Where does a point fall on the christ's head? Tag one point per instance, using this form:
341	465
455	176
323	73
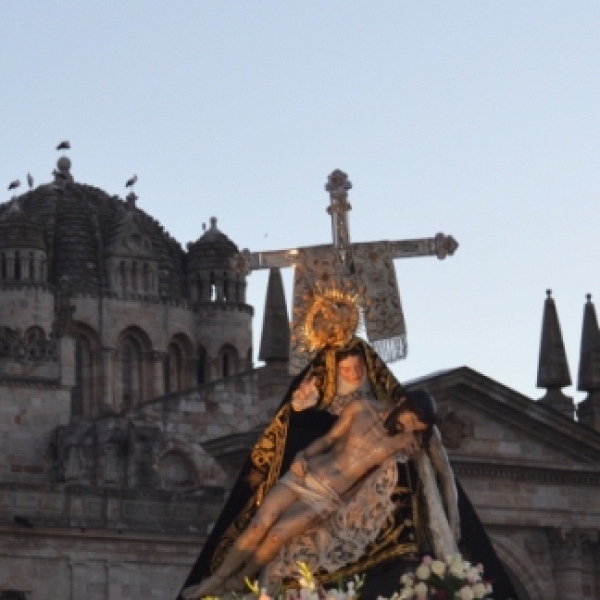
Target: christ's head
418	413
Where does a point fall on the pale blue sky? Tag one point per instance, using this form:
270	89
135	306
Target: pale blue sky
478	119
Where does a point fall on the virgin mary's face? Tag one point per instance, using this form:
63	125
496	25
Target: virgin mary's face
351	370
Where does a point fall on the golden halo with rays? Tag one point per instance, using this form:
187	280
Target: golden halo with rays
332	318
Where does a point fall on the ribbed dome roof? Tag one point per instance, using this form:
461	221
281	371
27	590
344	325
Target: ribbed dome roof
212	250
76	226
18	231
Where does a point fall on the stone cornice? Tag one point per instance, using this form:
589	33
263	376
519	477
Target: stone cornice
466	385
542	475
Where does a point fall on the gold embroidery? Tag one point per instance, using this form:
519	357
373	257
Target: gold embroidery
266	455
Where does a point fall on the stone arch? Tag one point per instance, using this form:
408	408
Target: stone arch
520	567
35	333
177	471
179	364
87	368
228	360
132	381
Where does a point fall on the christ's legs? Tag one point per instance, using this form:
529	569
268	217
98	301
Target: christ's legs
294	521
277	501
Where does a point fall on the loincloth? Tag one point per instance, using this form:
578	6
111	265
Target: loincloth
318	495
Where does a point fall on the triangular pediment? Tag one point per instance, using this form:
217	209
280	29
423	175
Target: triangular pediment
484	422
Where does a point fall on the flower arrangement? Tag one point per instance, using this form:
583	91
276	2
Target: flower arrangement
310	588
453	579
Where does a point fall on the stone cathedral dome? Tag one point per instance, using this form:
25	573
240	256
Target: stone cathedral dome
76	223
213	249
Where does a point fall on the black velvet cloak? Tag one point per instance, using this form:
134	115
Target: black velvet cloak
400	544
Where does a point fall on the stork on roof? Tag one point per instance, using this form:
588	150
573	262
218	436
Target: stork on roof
66	145
131	182
30	180
14	184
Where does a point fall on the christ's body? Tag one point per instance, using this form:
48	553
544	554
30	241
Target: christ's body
362	439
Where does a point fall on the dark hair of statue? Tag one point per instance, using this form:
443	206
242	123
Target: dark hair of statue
343	354
424	407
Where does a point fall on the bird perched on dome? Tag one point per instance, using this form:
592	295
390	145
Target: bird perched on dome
14	184
64	145
131	182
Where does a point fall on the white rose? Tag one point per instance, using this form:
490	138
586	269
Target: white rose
438	568
479	590
466	593
457	571
423	572
421	589
407	579
473	574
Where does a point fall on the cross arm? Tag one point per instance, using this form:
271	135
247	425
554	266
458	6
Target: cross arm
441	246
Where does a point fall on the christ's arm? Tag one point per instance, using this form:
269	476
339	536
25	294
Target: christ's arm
323	444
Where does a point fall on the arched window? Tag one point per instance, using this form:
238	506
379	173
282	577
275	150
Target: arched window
17	266
130	372
173	369
202	366
146	278
213	288
134	277
122	277
228	355
226	290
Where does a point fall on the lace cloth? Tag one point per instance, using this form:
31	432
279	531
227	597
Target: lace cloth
444	542
343	537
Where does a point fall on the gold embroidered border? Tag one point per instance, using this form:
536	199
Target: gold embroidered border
266	456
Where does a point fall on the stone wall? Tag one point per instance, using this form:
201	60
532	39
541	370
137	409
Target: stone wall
54	564
26	426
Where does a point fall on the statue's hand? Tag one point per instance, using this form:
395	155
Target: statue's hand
410	443
299	466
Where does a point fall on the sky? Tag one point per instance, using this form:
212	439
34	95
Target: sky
476	119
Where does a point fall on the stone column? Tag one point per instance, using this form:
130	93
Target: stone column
566	545
25	271
36	276
107	356
190	373
66	354
156	361
219	295
10	264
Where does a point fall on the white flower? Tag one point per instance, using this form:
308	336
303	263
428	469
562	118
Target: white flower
466	593
421	589
406	594
407	578
456	569
438	568
479	590
423	572
473	573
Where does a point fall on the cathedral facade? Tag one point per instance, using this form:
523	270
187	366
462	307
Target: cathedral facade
128	399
